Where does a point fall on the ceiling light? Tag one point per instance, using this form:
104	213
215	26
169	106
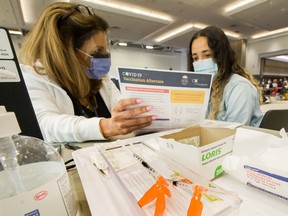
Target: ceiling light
122	44
186	28
232	34
176	32
15	32
270	33
149	47
242	5
282	57
130	10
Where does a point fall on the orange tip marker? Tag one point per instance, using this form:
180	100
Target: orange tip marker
158	192
196	206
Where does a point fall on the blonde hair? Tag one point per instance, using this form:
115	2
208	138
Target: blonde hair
226	60
53	41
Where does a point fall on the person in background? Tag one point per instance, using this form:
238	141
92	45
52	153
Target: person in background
269	85
275	86
279	84
285	83
235	96
65	60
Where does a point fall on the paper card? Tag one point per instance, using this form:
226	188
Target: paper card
178	99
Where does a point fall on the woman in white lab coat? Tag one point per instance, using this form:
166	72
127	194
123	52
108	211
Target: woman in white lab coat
65	60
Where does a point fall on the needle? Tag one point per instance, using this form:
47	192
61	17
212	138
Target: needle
189	186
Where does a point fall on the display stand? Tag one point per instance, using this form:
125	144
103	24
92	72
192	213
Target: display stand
13	92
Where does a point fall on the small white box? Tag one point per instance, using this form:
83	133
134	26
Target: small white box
259	160
206	159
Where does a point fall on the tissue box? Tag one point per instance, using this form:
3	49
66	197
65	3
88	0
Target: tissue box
272	181
205	157
260	160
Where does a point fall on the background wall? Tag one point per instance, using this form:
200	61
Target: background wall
274	68
16	40
135	57
263	48
143	58
239	47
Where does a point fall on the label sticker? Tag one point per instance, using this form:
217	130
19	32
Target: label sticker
33	213
8	71
5	48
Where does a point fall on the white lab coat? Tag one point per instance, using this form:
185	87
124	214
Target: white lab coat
55	113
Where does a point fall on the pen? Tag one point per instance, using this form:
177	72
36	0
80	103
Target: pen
71	146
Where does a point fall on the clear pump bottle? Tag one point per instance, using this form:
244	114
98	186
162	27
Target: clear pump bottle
33	178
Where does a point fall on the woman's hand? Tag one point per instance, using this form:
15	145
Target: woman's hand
124	120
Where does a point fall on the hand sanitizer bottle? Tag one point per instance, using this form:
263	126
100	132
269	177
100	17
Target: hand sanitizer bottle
33	178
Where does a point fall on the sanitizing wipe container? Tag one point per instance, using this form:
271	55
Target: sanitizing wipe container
33	178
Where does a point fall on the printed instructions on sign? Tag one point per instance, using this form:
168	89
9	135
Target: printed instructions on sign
179	99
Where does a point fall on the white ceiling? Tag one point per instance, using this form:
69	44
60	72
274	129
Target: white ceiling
267	16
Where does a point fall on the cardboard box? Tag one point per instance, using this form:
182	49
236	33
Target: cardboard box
206	159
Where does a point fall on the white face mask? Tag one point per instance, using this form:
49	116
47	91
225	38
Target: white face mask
206	66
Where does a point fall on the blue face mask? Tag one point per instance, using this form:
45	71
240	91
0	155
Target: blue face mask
99	68
206	66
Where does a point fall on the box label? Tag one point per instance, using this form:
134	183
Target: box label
266	181
218	171
214	152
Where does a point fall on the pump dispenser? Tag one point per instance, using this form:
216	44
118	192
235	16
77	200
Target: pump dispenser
33	178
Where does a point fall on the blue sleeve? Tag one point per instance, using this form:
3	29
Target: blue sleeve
239	102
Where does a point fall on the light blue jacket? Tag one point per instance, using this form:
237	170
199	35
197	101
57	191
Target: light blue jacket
240	102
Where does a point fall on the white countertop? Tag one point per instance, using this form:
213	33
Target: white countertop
274	105
255	202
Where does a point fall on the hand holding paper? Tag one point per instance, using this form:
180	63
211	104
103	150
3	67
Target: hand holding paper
126	119
179	99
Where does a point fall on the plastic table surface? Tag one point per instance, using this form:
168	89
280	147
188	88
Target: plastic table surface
255	202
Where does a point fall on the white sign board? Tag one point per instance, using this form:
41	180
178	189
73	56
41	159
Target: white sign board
8	69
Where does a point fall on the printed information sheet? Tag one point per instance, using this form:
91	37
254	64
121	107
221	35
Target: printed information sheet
179	99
